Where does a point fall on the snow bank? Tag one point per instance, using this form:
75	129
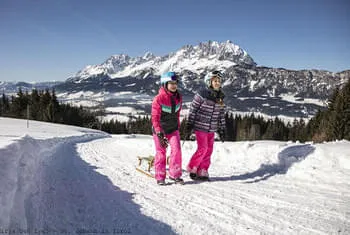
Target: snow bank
20	172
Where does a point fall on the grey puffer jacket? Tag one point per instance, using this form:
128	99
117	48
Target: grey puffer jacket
207	112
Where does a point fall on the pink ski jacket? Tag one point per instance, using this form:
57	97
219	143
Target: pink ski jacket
166	108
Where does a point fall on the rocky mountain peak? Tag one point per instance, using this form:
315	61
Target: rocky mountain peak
196	58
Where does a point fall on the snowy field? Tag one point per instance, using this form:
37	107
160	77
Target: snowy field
57	179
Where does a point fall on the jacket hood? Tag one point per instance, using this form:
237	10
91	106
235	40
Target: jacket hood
163	91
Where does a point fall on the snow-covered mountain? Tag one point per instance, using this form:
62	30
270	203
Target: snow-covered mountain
197	58
133	81
12	87
248	87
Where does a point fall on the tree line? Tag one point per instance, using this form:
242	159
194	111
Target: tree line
44	106
333	123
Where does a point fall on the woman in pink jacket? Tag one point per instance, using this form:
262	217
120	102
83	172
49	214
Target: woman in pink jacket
166	108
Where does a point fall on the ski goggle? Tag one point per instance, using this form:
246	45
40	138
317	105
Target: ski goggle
173	77
216	74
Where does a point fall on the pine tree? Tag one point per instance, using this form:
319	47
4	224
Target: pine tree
269	131
19	104
229	126
337	119
332	99
5	106
35	105
293	131
45	99
346	91
301	131
53	108
242	129
333	123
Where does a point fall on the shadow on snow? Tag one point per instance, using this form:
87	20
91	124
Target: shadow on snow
286	158
75	199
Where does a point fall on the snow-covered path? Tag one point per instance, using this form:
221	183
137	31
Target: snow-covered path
57	179
76	198
263	200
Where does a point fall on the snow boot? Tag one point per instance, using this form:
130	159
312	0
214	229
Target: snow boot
177	180
193	176
161	182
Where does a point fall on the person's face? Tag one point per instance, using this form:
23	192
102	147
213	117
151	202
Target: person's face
172	86
216	83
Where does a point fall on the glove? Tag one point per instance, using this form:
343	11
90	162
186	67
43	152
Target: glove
163	140
189	129
222	135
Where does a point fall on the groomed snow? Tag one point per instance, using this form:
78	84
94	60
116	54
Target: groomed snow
57	179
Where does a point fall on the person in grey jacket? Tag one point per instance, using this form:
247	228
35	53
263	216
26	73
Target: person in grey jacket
206	116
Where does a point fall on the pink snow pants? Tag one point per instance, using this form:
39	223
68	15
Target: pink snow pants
200	161
175	164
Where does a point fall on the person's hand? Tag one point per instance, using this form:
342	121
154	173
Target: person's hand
163	140
222	135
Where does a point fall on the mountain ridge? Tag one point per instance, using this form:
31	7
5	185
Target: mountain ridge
222	55
248	87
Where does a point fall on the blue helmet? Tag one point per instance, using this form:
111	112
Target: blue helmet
210	75
167	77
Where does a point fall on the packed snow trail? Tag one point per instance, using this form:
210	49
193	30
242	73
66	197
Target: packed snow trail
57	179
265	200
77	198
55	192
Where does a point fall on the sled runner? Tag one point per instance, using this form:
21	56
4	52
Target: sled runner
145	165
151	174
150	161
148	173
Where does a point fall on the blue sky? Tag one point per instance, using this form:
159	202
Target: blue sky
44	40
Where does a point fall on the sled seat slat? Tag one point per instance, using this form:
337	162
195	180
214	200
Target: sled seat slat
149	160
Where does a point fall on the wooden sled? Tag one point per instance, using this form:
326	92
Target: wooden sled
145	165
149	162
